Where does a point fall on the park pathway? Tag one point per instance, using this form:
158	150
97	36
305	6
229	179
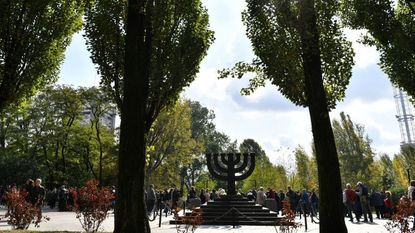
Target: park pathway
67	221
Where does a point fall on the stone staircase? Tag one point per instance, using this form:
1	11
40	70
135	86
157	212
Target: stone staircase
234	211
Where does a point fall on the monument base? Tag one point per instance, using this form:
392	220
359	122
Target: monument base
234	210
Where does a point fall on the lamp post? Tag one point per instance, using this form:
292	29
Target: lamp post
409	3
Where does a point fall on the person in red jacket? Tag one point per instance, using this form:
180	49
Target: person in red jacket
350	201
388	205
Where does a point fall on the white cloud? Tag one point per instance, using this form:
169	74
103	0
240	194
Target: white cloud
364	55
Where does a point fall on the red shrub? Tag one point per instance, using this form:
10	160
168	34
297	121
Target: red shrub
402	220
190	222
20	212
92	205
287	223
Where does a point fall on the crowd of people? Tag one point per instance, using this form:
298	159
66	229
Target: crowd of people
358	201
38	195
305	201
172	198
360	204
299	201
32	191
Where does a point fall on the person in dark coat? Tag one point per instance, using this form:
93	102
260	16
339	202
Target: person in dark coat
377	202
28	187
39	194
175	198
202	197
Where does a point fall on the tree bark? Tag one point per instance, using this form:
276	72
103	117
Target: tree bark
331	207
130	213
101	151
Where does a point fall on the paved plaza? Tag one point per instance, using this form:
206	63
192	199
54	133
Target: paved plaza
67	221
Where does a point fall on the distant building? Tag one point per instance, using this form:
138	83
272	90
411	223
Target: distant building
108	119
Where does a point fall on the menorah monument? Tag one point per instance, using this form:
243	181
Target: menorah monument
231	168
232	209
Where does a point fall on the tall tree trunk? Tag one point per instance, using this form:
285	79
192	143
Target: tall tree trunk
101	151
331	208
2	133
130	215
63	158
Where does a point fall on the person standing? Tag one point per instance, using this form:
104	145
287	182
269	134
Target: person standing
350	202
411	196
291	198
260	198
314	202
174	198
39	196
192	194
363	195
388	205
377	201
28	188
151	198
207	195
202	197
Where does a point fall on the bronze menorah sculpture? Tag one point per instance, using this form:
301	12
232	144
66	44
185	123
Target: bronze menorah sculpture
230	167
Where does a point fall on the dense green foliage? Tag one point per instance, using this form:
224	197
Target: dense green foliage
33	39
49	138
354	150
170	141
390	28
274	30
180	39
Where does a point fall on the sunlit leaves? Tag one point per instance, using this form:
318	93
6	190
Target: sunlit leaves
180	40
273	28
354	150
33	39
391	28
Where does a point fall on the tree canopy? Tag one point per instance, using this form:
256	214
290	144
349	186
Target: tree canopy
33	39
354	150
274	30
180	38
391	29
63	145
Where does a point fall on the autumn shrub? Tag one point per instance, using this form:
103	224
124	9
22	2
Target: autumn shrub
287	223
402	220
91	204
20	213
188	222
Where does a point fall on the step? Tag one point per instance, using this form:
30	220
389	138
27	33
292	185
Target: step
241	209
248	213
231	203
242	222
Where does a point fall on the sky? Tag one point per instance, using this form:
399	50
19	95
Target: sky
266	116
